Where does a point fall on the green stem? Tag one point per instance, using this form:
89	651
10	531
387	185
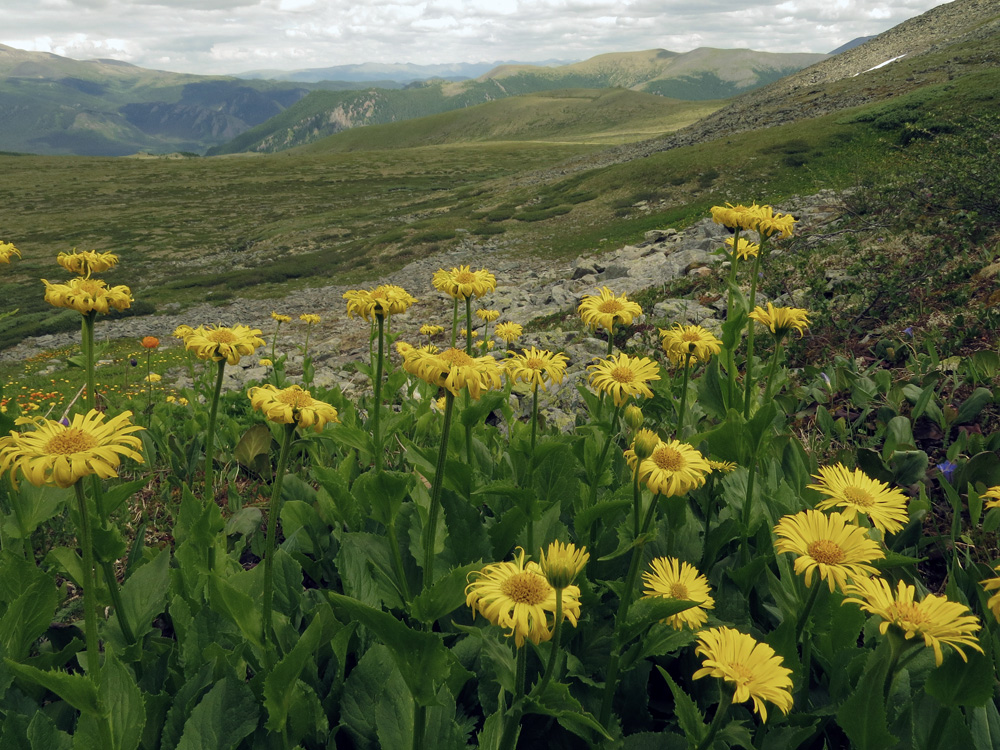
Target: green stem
534	418
800	624
377	406
397	561
468	326
604	455
550	667
88	583
748	502
454	323
274	511
210	435
431	531
419	725
149	390
636	499
731	354
748	381
937	730
684	393
274	343
771	368
513	718
724	703
88	358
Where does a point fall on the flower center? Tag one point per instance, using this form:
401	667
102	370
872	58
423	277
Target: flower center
690	336
610	306
71	440
534	363
678	591
526	588
858	496
92	287
221	336
457	358
907	614
465	277
825	551
668	459
622	374
295	399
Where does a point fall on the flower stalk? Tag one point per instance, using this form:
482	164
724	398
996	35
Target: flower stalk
274	511
435	509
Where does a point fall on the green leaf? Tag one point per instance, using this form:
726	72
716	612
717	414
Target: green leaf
899	435
423	661
43	735
144	595
711	394
650	610
221	720
973	405
115	496
554	475
122	700
254	444
383	492
28	617
690	719
467	538
80	691
278	698
957	683
35	506
556	701
445	596
239	609
244	522
863	716
908	467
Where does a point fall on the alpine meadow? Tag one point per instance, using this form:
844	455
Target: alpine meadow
650	401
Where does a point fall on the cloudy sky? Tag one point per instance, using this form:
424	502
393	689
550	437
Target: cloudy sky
230	36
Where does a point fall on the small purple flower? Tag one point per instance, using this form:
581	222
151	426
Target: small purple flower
64	421
908	331
947	469
134	362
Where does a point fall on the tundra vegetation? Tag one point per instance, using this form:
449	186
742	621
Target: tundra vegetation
778	534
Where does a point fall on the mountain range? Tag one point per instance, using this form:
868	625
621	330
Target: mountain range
54	105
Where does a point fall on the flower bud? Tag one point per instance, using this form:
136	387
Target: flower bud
633	417
645	443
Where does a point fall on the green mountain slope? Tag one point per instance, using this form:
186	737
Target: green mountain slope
702	74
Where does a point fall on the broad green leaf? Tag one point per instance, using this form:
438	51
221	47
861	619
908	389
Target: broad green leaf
863	715
254	442
228	713
144	594
649	610
78	690
898	436
445	596
467	539
383	492
277	695
973	405
244	522
690	719
28	617
238	608
115	496
908	467
34	506
957	683
556	701
122	699
43	734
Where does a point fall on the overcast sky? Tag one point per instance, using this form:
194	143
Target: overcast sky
230	36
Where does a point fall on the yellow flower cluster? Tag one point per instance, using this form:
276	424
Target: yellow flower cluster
679	341
291	405
86	295
623	376
462	282
782	320
760	219
536	367
508	332
217	343
382	301
828	545
87	262
8	251
453	369
605	309
281	318
670	578
310	318
744	249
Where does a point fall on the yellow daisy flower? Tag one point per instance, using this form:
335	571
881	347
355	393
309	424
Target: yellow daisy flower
936	619
781	320
828	545
768	223
508	332
756	671
87	295
462	282
673	468
992	497
993	584
453	369
516	596
217	343
60	455
858	493
384	300
722	467
87	262
681	340
291	405
487	316
605	309
429	330
734	217
623	376
8	251
562	563
153	378
310	318
281	318
182	332
265	362
669	578
745	249
537	367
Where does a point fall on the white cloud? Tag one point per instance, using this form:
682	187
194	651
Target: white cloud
229	36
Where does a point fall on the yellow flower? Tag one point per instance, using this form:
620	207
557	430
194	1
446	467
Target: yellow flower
153	378
632	416
182	332
767	222
643	445
462	282
828	545
537	367
937	620
508	332
993	584
992	496
265	362
735	217
562	563
8	251
605	309
60	455
488	315
383	300
291	405
756	671
429	330
744	249
310	318
669	578
281	318
515	595
453	369
781	320
722	467
217	343
681	340
87	295
86	262
857	493
465	332
673	468
623	376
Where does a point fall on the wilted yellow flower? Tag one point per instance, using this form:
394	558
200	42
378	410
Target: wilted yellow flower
856	492
735	217
60	455
681	340
673	468
936	619
462	282
562	563
744	249
722	467
508	332
8	251
182	332
669	578
384	300
87	295
516	595
281	318
453	369
756	671
781	320
429	330
487	315
87	262
604	309
827	545
217	343
291	405
310	318
767	222
623	376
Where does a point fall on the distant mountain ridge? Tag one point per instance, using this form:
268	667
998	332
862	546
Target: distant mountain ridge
398	72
